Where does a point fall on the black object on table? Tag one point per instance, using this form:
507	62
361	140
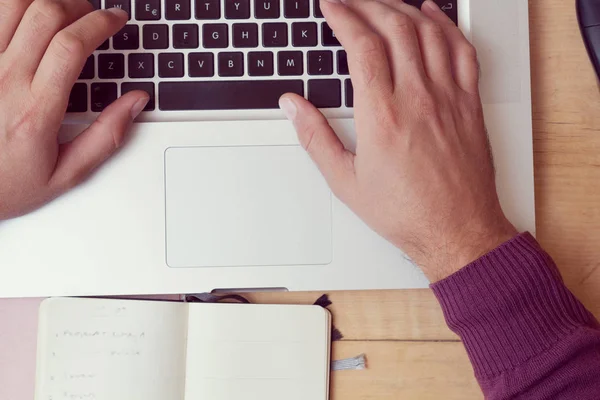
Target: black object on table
588	14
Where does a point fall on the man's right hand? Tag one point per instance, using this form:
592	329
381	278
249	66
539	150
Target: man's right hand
422	175
43	47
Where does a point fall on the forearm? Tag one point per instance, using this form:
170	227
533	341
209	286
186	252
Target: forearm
526	334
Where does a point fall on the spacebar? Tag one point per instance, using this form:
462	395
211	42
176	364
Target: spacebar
225	95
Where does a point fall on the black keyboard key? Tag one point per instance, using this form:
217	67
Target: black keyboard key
178	10
185	36
225	95
328	37
103	46
95	4
147	10
325	93
215	36
127	38
102	95
266	9
450	8
231	64
290	63
156	37
237	9
78	98
304	34
320	62
124	5
342	62
245	35
170	65
201	65
349	93
89	69
260	63
111	66
275	34
317	9
141	65
208	9
296	8
147	87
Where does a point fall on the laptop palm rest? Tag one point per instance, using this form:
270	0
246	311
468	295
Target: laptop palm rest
245	206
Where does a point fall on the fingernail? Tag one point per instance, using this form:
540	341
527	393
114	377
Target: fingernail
118	11
431	5
138	107
336	1
288	107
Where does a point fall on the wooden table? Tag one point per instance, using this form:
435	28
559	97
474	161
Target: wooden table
411	354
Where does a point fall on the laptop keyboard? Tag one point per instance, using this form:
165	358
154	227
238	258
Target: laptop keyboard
198	57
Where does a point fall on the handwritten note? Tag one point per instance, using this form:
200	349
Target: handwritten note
119	350
132	350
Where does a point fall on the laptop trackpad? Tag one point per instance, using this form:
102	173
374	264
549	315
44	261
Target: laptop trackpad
247	205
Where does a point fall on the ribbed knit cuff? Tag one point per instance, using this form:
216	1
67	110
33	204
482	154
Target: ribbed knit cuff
509	306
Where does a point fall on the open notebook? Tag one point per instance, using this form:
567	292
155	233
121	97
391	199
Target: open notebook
96	349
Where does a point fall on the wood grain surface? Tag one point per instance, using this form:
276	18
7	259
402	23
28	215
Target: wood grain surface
411	353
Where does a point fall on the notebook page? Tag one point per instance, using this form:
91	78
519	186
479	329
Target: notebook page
94	349
266	352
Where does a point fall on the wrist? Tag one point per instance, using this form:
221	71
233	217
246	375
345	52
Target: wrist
461	250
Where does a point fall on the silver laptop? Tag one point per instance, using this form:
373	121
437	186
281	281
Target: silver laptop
212	191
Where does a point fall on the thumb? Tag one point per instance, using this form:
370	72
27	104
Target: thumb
320	141
77	159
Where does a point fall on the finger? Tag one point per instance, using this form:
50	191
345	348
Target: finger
86	152
322	144
463	56
69	50
432	42
367	58
42	20
11	13
399	34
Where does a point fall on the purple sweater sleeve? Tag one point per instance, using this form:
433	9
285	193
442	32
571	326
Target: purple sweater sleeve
526	334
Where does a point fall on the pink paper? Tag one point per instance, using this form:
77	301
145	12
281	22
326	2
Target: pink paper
18	337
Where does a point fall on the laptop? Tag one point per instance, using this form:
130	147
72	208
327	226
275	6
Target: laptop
212	191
